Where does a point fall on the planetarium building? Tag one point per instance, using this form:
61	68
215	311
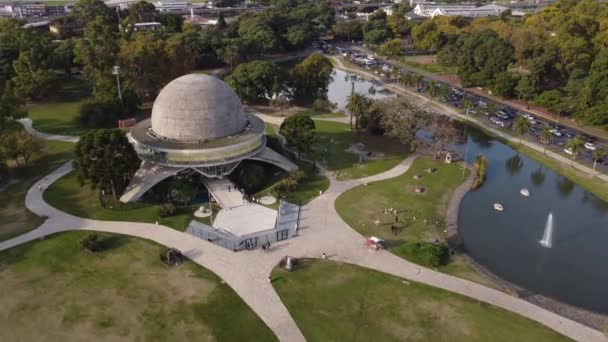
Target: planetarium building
197	123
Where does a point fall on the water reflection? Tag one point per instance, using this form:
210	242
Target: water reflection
565	186
343	83
514	164
537	177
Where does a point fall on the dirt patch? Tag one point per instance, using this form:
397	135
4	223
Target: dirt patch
425	59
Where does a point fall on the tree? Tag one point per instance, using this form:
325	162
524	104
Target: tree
281	102
299	131
11	108
468	105
545	136
106	160
575	145
391	48
88	10
31	80
310	78
526	87
221	22
63	56
401	118
443	132
255	81
149	63
376	37
597	155
231	51
19	146
550	99
348	30
521	126
505	84
356	105
482	55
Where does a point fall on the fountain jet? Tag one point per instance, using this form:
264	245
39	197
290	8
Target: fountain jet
547	240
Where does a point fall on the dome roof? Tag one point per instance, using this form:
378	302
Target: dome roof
197	107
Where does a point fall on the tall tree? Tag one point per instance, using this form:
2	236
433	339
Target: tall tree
106	160
311	77
299	131
255	81
575	145
482	56
149	63
521	126
356	105
19	145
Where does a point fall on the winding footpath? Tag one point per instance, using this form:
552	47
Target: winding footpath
321	231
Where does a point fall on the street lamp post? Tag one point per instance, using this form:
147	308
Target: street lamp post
116	72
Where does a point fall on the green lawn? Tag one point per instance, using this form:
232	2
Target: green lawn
334	140
434	68
307	189
56	117
340	302
362	206
54	291
57	114
67	195
15	219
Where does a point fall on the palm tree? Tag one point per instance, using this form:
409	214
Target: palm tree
597	155
545	137
356	105
521	126
405	79
575	144
468	105
281	102
417	80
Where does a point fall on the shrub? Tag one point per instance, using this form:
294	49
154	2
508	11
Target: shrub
166	210
427	253
96	113
91	243
323	105
481	167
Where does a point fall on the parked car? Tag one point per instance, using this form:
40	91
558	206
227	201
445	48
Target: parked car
503	115
556	132
568	151
590	146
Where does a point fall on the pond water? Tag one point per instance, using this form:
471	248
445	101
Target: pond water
573	269
507	243
341	85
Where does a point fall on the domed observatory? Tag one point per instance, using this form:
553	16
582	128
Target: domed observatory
197	122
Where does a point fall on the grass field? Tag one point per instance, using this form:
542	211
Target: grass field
15	219
307	189
54	291
434	68
339	302
57	114
362	206
335	138
67	195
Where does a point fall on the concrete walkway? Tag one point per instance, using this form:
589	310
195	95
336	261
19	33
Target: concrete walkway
27	124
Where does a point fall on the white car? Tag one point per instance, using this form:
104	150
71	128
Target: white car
556	132
568	151
590	146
